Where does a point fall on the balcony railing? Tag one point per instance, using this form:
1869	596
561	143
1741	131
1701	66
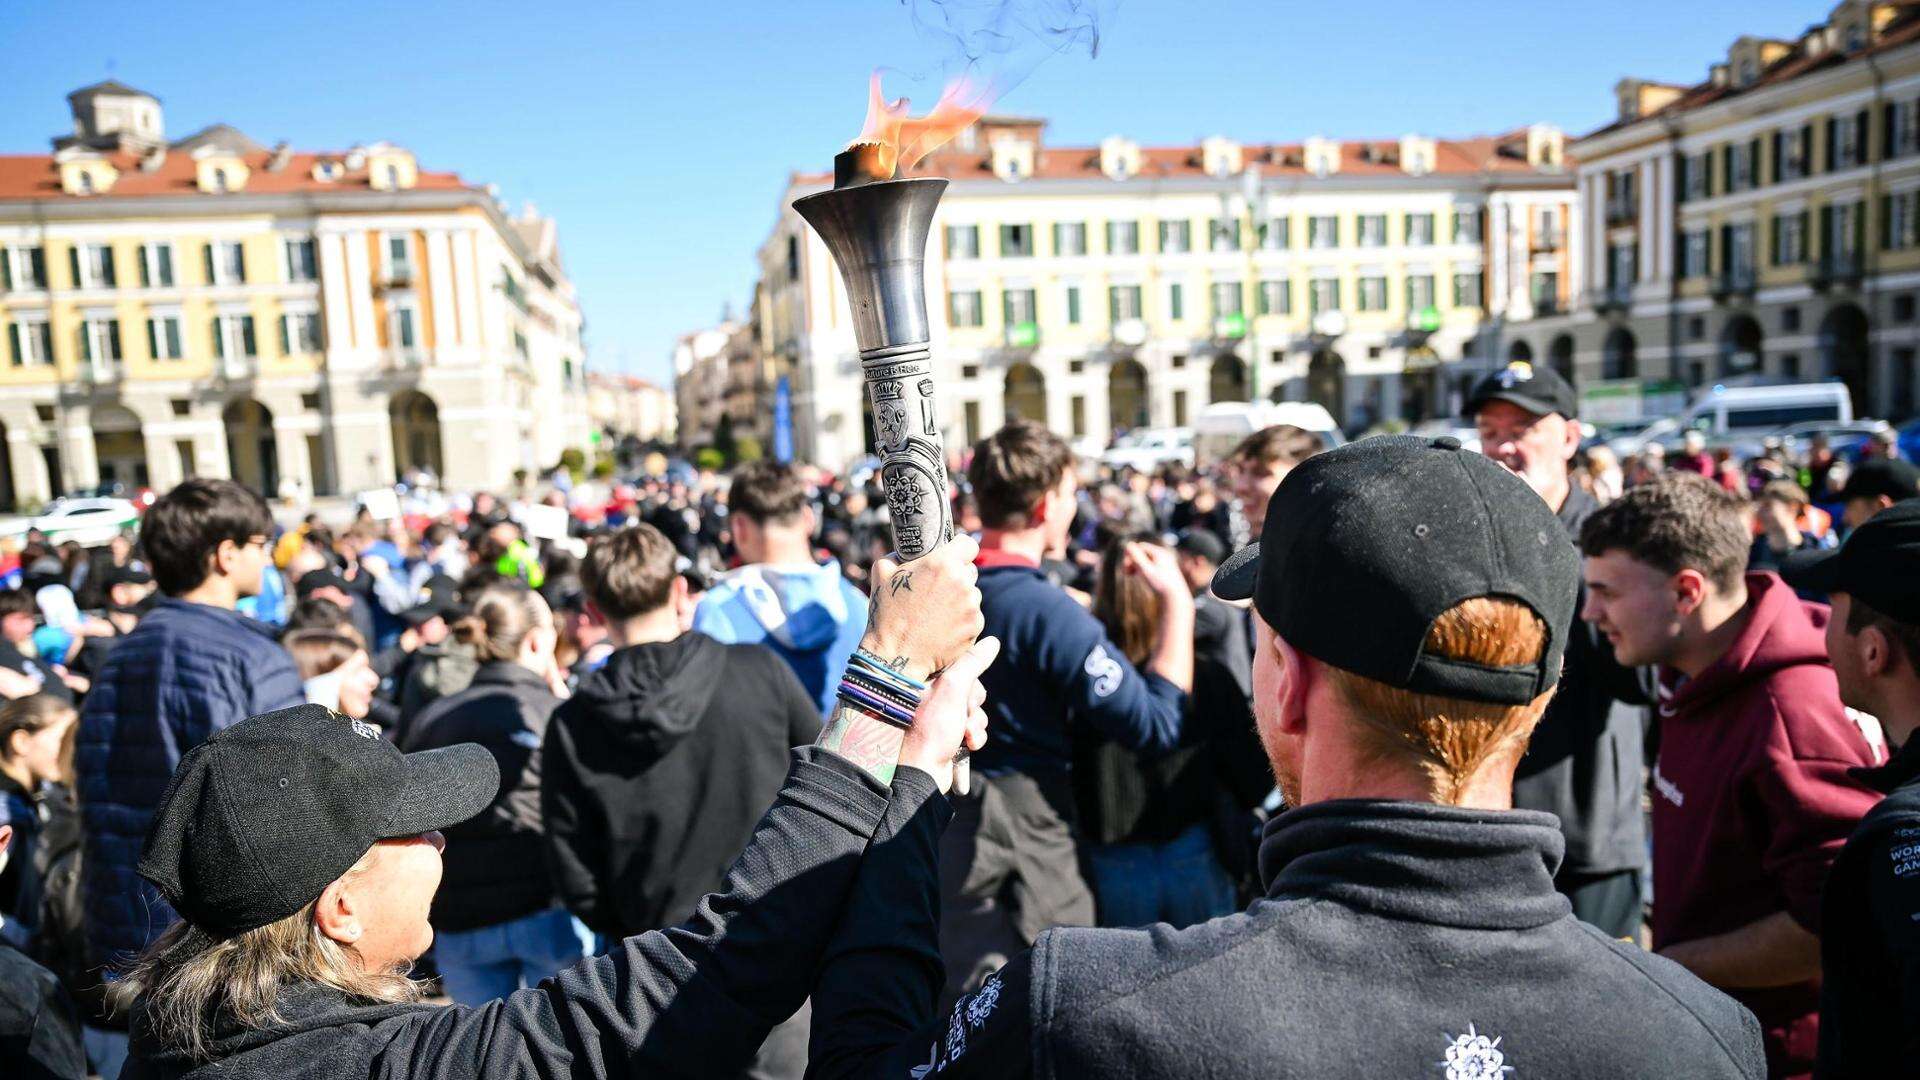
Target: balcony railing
1733	281
1549	239
397	275
1622	211
1613	297
238	367
1546	305
103	372
1836	268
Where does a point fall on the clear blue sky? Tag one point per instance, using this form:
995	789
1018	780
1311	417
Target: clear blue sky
660	135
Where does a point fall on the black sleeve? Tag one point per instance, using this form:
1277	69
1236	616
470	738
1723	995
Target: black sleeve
1893	882
576	830
873	1007
53	1050
707	991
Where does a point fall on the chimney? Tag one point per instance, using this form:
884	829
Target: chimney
282	153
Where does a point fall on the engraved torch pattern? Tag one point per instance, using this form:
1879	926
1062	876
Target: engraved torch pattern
877	233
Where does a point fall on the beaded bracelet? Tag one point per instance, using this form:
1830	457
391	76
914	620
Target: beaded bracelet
879	687
877	707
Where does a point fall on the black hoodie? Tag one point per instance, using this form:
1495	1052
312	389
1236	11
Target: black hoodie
655	771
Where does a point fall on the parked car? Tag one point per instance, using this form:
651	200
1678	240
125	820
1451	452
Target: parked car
1626	440
1732	412
1220	426
89	522
1147	449
1846	440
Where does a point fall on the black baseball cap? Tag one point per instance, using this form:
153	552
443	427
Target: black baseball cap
1539	390
1897	480
130	574
1365	546
258	820
1203	543
319	579
1879	564
439	599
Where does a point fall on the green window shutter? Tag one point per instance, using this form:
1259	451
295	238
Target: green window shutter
6	271
146	272
219	337
1862	129
13	338
248	346
286	339
73	263
1753	163
166	264
1073	306
1174	302
113	339
1833	141
240	264
208	251
1806	241
1886	221
106	267
153	339
1826	232
1773	241
1680	171
37	264
86	344
1779	145
173	339
1726	168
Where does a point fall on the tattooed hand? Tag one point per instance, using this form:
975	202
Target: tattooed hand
926	613
952	717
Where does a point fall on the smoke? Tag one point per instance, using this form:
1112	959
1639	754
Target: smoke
995	44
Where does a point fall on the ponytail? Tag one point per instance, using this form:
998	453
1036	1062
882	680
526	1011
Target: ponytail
503	615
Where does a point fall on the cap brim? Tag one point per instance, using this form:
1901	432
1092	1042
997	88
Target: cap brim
1235	578
1812	571
1534	405
444	788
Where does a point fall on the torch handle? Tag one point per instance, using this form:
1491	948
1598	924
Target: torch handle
913	463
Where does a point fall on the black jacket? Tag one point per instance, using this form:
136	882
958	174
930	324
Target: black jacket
1396	939
1585	760
696	1000
1870	934
495	864
39	1033
657	768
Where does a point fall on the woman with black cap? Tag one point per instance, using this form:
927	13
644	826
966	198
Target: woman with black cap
302	852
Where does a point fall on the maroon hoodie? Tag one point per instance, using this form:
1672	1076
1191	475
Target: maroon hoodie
1752	801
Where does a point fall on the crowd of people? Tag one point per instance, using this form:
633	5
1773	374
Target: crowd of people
1520	744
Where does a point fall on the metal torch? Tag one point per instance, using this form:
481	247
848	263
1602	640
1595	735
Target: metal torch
876	229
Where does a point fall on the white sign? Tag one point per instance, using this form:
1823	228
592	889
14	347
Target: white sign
382	504
1130	332
1330	324
544	522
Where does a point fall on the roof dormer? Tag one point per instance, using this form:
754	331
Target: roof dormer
1220	156
390	168
1855	23
83	172
1119	158
1012	156
1639	98
1546	146
1321	156
218	170
1419	155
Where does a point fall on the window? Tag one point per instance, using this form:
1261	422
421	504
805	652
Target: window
793	257
1466	225
156	265
1738	257
393	176
969	371
1176	237
1842	237
182	407
1466	289
397	250
1372	230
1791	152
1077	409
963	241
401	320
1077	365
1176	302
1276	298
1073	305
1898	215
92	266
1846	141
1223	235
1419	230
1227	299
1741	171
219	179
1790	319
303	261
300	333
30	345
1018	307
1373	293
1178	361
1902	128
1696	328
1696	177
233	337
226	263
1420	294
1323	231
1179	408
1276	235
100	343
1623	264
1069	238
1016	241
1789	239
1903	308
310	402
1543	287
1123	238
1123	302
163	337
963	308
1693	253
23	268
1323	294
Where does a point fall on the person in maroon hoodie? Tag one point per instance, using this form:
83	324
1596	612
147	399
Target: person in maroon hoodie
1752	798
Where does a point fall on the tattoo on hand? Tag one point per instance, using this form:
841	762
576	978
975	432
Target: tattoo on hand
902	581
871	744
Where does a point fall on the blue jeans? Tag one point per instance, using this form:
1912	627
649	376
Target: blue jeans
1179	882
477	966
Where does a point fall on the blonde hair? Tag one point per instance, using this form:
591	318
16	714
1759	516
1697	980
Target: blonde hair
317	651
189	977
503	615
1451	739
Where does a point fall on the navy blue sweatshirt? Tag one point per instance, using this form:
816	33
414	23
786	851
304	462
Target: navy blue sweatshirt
1056	663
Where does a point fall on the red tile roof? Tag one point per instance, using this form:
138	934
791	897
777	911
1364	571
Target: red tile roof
37	176
1477	155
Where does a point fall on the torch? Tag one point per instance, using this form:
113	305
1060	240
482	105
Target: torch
876	228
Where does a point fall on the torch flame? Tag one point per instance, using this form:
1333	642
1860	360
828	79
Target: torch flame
903	139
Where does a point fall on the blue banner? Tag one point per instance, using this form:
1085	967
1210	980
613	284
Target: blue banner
782	421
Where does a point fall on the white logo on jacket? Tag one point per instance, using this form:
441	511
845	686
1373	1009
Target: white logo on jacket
1105	671
1667	788
1473	1056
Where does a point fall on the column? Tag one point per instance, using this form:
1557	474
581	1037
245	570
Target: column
79	453
1663	197
31	485
360	292
1647	234
163	459
333	293
291	460
440	274
1596	207
468	294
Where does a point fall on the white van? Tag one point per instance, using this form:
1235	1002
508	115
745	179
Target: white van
1221	426
1725	412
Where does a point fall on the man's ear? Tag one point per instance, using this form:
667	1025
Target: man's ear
335	914
1690	590
1874	651
1573	439
1296	679
677	592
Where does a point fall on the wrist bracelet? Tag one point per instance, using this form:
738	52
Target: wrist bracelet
880	667
876	707
904	699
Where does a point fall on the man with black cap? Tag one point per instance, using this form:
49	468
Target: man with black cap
329	585
1584	763
1412	602
1870	915
302	852
1874	485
